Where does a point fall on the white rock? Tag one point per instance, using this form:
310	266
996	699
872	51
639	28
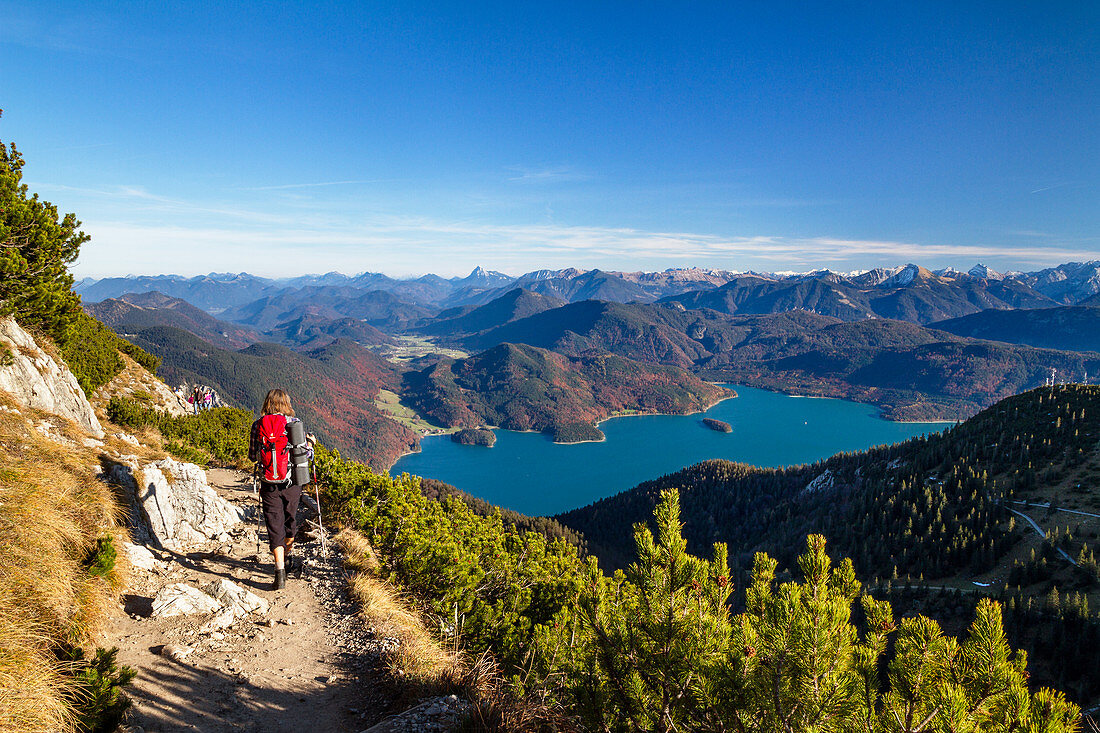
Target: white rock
36	380
174	512
824	481
180	599
232	595
223	619
141	557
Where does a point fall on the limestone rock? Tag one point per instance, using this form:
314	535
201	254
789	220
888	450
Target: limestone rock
825	481
180	599
140	557
36	380
223	619
235	597
173	512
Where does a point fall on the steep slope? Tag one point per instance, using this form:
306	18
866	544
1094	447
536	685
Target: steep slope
332	388
512	306
526	388
1069	283
133	312
378	308
1070	328
657	335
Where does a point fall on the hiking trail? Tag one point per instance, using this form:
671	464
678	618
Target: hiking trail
307	664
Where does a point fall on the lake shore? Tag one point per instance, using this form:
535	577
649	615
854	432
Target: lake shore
537	477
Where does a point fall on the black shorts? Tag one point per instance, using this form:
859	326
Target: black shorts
280	505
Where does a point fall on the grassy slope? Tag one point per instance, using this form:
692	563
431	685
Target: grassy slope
54	509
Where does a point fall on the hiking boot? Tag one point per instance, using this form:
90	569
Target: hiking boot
280	579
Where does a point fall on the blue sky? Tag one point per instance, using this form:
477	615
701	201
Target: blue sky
432	137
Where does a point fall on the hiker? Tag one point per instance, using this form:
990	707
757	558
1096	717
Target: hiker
269	448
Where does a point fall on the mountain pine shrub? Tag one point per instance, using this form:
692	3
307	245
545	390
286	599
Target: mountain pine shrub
656	647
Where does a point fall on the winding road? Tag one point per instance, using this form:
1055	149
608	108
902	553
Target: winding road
1043	534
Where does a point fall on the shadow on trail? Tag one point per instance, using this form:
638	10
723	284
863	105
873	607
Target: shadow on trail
210	700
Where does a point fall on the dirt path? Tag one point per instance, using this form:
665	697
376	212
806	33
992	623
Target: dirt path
307	666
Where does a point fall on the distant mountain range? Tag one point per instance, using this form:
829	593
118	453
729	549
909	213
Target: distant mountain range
918	343
1067	284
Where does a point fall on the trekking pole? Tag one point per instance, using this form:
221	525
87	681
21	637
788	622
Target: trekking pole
259	512
320	524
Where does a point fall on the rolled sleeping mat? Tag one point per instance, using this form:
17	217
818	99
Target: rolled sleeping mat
299	453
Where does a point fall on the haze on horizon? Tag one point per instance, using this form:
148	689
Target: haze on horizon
413	137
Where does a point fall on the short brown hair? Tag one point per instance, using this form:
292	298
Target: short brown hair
277	402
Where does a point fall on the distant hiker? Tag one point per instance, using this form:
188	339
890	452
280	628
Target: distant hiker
208	399
282	466
196	398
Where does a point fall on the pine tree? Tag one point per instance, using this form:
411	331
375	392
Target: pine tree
660	637
36	247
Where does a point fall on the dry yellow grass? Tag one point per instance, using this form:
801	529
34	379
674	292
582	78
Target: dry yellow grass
431	666
53	509
32	687
419	659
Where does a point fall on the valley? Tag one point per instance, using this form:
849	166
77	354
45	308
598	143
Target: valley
935	513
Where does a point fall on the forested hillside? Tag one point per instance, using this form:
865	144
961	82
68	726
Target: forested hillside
135	312
511	306
911	371
520	387
658	648
333	388
931	505
1072	328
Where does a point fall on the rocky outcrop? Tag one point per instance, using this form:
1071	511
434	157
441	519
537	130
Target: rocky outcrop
137	382
171	503
824	481
37	380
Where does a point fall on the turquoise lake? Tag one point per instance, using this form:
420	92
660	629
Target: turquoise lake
531	474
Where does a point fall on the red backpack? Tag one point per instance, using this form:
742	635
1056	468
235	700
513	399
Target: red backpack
274	454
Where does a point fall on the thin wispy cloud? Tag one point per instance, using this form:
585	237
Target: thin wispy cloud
322	184
561	174
412	244
1051	188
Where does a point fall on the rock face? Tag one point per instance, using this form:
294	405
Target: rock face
36	380
171	504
